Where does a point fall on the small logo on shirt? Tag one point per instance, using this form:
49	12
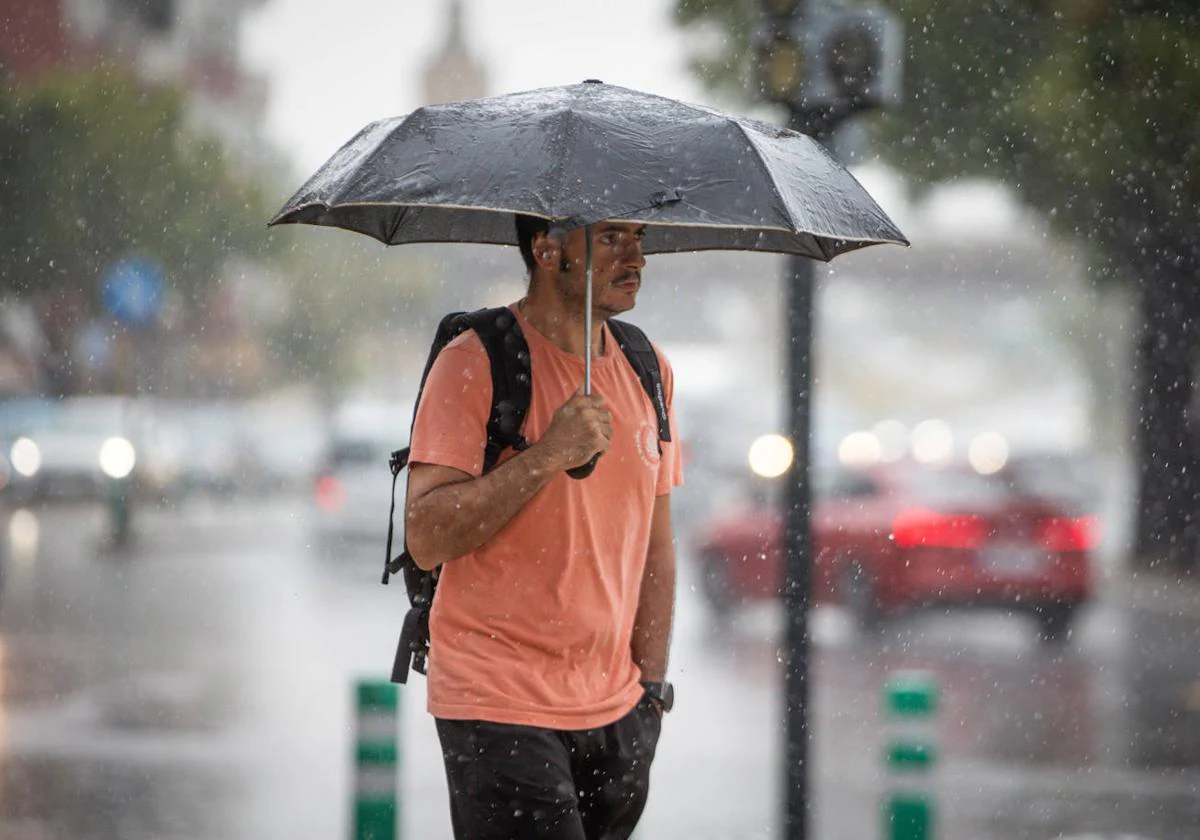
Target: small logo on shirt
647	444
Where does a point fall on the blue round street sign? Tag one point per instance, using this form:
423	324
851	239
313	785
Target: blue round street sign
133	290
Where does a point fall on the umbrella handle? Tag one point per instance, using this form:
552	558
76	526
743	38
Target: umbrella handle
584	470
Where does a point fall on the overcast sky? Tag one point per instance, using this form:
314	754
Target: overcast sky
332	68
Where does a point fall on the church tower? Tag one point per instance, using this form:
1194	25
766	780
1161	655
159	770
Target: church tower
453	73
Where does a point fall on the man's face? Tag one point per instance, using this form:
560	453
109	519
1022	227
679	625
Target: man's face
617	264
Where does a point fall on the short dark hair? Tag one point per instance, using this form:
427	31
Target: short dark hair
527	228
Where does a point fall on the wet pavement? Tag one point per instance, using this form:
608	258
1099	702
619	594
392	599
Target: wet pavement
199	685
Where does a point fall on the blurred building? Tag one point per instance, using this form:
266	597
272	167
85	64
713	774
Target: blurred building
454	73
192	44
33	39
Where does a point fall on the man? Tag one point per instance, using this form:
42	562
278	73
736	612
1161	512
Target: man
551	626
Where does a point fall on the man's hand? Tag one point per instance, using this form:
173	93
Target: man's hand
581	428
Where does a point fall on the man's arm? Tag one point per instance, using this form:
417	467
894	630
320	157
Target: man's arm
450	513
652	626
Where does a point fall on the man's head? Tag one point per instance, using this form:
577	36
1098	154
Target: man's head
559	259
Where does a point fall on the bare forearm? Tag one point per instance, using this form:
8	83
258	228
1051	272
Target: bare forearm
652	626
455	519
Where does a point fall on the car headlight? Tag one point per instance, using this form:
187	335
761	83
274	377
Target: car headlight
988	453
25	457
117	457
771	456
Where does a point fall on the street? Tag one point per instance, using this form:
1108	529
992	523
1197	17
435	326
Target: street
199	684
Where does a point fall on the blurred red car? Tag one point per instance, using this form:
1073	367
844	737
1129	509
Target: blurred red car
899	537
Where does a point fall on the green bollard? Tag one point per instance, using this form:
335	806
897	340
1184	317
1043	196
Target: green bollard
377	761
910	701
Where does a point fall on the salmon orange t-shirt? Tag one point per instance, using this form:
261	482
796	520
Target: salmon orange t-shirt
534	627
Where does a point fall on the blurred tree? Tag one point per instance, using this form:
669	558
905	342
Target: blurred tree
95	168
1087	108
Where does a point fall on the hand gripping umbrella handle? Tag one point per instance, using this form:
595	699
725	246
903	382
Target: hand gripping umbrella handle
584	470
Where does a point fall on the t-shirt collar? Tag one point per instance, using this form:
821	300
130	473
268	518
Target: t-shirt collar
533	335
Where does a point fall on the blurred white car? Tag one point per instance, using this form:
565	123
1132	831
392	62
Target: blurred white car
73	448
352	488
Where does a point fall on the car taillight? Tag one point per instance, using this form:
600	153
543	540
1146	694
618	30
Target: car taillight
330	494
1069	534
915	528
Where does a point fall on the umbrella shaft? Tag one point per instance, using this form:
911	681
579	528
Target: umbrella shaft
587	312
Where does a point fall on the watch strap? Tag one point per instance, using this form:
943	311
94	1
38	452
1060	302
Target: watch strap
661	692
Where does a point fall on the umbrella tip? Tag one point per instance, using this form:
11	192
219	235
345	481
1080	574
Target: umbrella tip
592	82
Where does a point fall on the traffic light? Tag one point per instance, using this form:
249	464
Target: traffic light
780	54
156	15
815	56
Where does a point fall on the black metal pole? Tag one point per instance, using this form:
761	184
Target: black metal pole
797	501
797	545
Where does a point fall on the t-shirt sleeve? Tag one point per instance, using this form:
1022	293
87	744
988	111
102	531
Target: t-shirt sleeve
451	423
670	467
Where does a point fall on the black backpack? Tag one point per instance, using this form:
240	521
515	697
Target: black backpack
512	383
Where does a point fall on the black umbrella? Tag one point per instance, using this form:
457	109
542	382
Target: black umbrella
579	154
583	153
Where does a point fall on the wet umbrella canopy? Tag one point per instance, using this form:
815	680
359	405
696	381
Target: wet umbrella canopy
583	153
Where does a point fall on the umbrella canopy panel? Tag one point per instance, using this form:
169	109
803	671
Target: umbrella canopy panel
578	154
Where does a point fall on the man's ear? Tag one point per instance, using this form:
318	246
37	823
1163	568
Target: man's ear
549	252
546	250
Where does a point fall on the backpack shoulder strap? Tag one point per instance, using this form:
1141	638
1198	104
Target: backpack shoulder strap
508	357
512	379
640	352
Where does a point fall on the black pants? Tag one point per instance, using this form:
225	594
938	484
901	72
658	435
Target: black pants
515	782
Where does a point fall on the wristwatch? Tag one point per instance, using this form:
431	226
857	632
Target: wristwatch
662	693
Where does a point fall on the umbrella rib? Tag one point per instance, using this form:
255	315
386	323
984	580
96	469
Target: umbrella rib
395	226
814	233
770	179
388	126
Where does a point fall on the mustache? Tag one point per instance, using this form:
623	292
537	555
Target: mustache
626	276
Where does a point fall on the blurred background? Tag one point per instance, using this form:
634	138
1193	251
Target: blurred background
196	412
